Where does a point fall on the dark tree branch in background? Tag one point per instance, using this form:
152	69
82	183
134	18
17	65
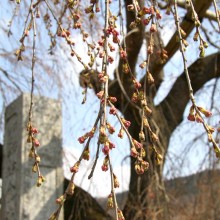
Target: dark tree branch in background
10	80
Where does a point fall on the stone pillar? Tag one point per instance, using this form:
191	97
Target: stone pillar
21	198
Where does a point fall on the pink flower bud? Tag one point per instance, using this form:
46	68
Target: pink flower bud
81	139
104	167
113	111
105	149
36	143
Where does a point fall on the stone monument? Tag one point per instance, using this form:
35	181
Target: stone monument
21	198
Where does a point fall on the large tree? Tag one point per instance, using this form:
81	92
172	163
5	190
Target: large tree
148	126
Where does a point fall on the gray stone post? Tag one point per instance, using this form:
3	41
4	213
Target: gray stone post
21	198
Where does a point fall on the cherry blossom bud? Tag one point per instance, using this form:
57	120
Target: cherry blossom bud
31	153
111	129
113	111
37	158
136	84
150	49
126	123
111	145
106	149
158	15
36	143
120	215
142	65
121	133
116	182
34	130
125	68
146	10
145	165
204	111
70	189
146	21
138	169
134	152
153	28
40	180
34	168
123	54
86	154
198	118
110	59
137	144
110	203
134	97
191	116
75	168
150	78
100	94
141	136
112	99
60	200
158	158
154	137
82	139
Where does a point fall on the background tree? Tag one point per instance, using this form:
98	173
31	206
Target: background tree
148	126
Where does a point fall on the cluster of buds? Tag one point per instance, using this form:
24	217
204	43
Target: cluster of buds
61	32
18	53
89	134
182	38
138	152
77	24
102	79
31	135
195	116
71	3
90	10
202	46
163	56
108	145
40	180
115	34
141	166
